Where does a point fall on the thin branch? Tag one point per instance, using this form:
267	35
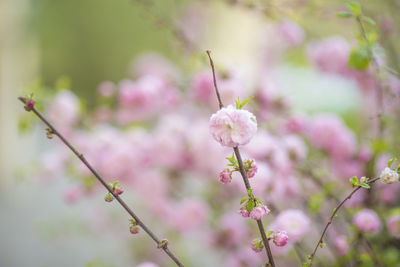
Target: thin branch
215	79
320	241
243	173
160	244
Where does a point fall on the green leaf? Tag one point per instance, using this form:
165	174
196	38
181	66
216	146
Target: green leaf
354	181
354	8
369	20
390	162
243	200
359	58
269	233
344	14
242	104
250	206
366	186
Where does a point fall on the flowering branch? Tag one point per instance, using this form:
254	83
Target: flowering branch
113	193
252	198
334	214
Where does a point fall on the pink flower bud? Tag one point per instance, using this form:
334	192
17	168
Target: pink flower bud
366	220
257	245
280	238
109	197
251	168
257	213
30	103
245	213
118	190
225	176
134	229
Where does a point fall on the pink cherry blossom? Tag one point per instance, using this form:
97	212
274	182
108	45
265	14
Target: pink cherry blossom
233	127
393	224
259	212
366	220
225	176
280	238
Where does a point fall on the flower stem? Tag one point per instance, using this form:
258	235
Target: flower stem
101	180
243	173
320	241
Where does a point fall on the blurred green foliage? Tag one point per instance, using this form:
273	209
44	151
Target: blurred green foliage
95	40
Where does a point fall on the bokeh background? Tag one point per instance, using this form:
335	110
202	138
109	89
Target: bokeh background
79	44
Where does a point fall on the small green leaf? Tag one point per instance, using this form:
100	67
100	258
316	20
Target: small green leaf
243	200
321	245
366	186
242	104
344	14
390	162
354	8
250	206
354	181
369	20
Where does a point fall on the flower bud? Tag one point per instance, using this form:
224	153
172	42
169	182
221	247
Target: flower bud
225	176
245	213
258	212
109	197
257	245
134	229
118	190
251	168
30	103
280	238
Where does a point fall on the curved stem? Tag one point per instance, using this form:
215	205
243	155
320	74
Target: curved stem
320	241
101	180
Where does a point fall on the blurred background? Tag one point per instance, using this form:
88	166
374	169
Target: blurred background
78	44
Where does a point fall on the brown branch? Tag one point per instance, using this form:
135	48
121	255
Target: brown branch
215	79
160	244
243	173
311	257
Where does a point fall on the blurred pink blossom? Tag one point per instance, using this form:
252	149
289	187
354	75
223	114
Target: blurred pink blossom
341	245
294	222
290	32
367	221
393	224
